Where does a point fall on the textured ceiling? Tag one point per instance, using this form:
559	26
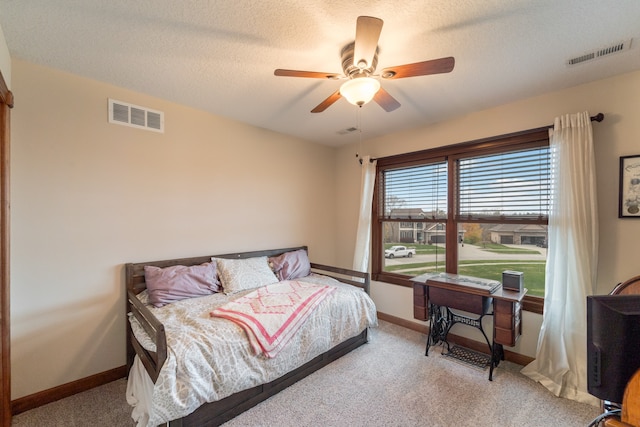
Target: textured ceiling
219	56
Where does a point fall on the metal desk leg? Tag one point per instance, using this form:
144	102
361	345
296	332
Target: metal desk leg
433	328
497	354
470	321
439	326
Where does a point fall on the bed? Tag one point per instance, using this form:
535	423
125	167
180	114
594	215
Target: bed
189	365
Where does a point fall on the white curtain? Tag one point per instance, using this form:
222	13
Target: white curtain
561	357
363	236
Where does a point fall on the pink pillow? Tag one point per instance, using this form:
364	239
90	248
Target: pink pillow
291	265
178	282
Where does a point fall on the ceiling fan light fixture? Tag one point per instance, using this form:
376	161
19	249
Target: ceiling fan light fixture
360	90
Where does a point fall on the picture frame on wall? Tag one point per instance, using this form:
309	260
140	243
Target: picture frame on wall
629	200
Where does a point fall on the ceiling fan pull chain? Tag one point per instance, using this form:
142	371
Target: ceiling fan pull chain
359	126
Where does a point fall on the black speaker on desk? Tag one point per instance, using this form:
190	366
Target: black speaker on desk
513	280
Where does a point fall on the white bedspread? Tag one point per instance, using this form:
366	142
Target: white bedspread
209	358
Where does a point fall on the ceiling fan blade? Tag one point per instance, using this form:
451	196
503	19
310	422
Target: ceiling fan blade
309	74
327	102
368	31
434	66
385	100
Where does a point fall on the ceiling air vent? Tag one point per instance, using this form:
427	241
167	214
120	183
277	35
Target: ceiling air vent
347	130
599	53
123	113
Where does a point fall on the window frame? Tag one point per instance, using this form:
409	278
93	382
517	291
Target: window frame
533	138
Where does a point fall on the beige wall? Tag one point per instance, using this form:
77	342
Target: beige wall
618	135
89	196
5	60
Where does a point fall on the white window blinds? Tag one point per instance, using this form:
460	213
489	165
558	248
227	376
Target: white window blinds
511	185
417	192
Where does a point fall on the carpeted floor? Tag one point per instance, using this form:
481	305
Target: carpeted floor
388	382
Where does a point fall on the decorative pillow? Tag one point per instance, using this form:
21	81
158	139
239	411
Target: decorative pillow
291	265
178	282
241	274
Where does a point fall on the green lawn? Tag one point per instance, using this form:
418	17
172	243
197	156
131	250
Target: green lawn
488	269
533	274
502	249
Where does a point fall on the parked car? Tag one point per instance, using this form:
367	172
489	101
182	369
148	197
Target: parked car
399	251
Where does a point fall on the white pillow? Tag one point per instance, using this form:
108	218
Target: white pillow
242	274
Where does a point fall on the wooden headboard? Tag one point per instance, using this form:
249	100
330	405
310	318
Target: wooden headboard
135	271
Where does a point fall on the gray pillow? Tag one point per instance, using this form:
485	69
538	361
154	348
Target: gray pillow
242	274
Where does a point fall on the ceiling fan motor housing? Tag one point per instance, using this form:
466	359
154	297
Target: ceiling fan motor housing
351	69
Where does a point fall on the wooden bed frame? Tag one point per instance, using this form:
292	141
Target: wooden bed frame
216	413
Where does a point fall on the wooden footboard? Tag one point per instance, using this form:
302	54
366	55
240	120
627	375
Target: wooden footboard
218	412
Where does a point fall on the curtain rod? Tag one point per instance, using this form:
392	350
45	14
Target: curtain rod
371	160
597	118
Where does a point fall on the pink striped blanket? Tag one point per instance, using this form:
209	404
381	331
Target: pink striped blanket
272	314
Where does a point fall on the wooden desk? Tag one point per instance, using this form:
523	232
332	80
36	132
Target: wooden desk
434	292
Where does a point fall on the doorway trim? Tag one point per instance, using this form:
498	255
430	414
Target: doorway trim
6	103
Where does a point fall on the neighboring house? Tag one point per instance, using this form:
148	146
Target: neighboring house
519	234
435	232
406	231
416	232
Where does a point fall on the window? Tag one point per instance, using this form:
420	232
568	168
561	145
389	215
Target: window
476	209
414	197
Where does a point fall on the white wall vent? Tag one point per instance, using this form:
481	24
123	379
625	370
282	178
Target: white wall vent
598	53
123	113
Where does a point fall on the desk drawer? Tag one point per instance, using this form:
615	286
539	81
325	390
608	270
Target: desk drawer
470	303
502	320
420	311
509	307
507	322
506	337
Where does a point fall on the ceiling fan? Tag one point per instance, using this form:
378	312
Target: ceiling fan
359	61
